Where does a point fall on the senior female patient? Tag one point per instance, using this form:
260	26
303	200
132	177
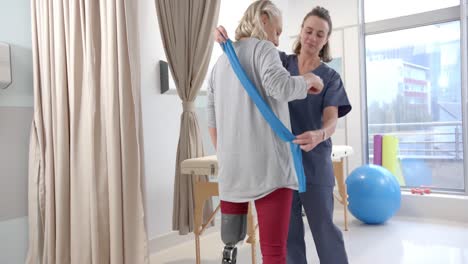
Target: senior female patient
254	164
314	120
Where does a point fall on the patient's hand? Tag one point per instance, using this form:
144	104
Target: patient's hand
314	83
220	34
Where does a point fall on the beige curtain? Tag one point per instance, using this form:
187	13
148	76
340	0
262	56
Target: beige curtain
85	171
186	29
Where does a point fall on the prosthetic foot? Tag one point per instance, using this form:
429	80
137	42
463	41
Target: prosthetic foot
233	231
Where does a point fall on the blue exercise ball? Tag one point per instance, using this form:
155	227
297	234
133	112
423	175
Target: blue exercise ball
374	194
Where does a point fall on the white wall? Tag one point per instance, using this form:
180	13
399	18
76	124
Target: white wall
15	29
13	240
14	141
160	126
15	121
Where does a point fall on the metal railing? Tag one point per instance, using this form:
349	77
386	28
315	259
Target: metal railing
429	140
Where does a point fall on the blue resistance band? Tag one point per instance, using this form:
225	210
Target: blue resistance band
278	127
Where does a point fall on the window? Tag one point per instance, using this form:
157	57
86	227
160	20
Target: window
414	91
375	10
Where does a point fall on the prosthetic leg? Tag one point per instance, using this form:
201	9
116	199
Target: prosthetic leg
233	231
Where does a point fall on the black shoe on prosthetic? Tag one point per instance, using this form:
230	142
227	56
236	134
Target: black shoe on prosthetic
229	255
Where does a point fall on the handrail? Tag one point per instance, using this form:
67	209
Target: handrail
419	140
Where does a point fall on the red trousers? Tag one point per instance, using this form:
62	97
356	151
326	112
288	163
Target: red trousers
273	213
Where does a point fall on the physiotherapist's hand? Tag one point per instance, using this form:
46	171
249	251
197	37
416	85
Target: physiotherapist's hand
314	83
220	34
309	140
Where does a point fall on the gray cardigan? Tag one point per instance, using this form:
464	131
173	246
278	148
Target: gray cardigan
252	160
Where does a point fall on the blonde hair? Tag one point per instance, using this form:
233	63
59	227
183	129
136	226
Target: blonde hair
251	26
321	13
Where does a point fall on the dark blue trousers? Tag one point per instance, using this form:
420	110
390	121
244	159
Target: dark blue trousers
318	205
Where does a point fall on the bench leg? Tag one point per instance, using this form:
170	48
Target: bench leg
338	169
197	248
202	192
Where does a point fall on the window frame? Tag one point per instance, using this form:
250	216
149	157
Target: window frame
449	14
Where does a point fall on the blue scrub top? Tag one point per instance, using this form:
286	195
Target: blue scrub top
306	115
